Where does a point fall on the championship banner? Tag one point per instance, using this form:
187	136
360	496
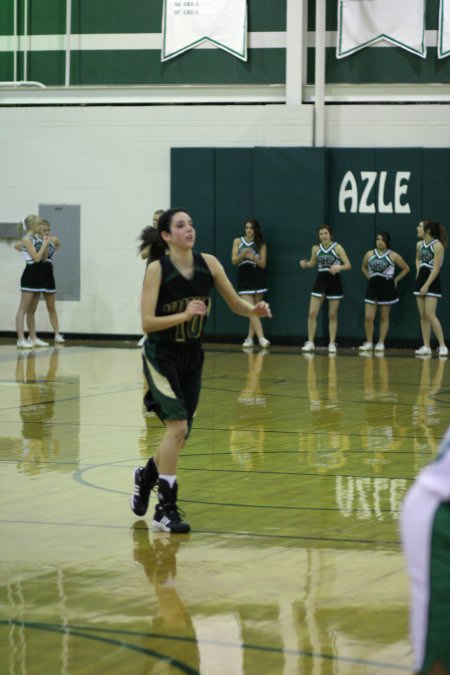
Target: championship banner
444	29
187	23
362	23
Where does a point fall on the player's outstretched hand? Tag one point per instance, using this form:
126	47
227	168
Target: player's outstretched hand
262	309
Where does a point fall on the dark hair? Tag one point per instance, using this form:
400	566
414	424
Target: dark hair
258	236
165	219
158	246
325	227
148	237
386	237
436	230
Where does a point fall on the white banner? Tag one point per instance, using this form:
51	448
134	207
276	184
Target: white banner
187	23
361	23
444	29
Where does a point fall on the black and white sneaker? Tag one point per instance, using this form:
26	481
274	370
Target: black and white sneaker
167	518
143	485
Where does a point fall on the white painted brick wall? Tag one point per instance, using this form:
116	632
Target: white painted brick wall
115	163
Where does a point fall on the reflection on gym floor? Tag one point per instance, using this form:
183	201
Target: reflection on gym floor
248	432
292	480
41	443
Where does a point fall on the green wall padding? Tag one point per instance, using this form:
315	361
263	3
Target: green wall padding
289	185
356	231
234	200
292	191
192	188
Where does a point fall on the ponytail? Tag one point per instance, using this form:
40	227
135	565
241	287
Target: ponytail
158	249
436	230
151	239
26	224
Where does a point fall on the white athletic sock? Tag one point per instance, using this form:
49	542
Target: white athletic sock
170	479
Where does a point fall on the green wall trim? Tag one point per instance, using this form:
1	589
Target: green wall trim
145	67
48	17
137	67
383	65
117	67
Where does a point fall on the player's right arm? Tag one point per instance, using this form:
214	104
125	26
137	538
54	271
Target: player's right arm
149	299
237	304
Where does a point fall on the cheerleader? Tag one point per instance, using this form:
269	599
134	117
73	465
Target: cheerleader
34	250
331	259
49	280
249	253
429	259
378	267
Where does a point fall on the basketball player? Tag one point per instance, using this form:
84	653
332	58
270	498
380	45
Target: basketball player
175	305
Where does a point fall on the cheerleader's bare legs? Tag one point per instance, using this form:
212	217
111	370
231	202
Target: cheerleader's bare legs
27	308
254	324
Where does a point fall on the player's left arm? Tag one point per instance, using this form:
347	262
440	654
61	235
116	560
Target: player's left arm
226	290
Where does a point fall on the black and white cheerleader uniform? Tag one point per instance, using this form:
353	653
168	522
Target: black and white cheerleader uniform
32	277
48	276
381	288
251	278
173	358
327	283
426	265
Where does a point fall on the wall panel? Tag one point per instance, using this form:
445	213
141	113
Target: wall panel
358	191
115	162
115	58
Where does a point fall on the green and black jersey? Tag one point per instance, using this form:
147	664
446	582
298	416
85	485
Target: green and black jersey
175	293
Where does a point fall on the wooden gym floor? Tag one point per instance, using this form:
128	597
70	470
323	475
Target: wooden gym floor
292	481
